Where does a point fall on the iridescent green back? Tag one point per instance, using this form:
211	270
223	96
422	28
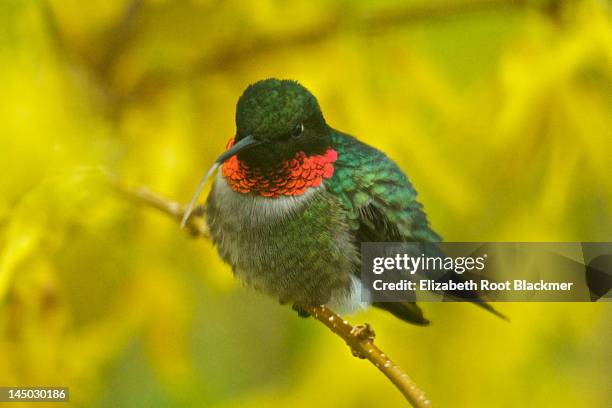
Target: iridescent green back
380	201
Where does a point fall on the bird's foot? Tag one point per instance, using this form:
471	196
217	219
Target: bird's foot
300	311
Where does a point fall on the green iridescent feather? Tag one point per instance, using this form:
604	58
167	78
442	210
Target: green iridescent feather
380	201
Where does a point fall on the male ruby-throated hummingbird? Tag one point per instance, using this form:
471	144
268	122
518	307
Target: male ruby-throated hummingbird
295	198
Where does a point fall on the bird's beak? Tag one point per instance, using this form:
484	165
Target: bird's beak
241	145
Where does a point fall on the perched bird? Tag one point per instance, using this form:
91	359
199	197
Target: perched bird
295	198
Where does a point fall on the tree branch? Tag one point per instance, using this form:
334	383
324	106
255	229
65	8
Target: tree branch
196	225
360	339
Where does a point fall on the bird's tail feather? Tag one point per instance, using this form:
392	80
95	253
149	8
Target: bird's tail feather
407	311
487	306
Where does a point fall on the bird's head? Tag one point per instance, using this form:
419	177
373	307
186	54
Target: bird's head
279	130
275	119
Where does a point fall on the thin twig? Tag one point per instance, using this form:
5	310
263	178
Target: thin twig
360	339
196	225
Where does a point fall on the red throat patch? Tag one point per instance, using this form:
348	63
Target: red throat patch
290	178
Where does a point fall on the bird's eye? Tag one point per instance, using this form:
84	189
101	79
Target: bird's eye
297	130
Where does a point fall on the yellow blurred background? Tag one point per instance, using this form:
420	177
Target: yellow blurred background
499	111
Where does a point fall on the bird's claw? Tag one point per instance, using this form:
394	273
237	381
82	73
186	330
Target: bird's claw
300	311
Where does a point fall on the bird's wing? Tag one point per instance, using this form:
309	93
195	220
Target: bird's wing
379	200
381	206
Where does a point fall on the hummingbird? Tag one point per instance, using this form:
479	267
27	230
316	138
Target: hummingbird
295	198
